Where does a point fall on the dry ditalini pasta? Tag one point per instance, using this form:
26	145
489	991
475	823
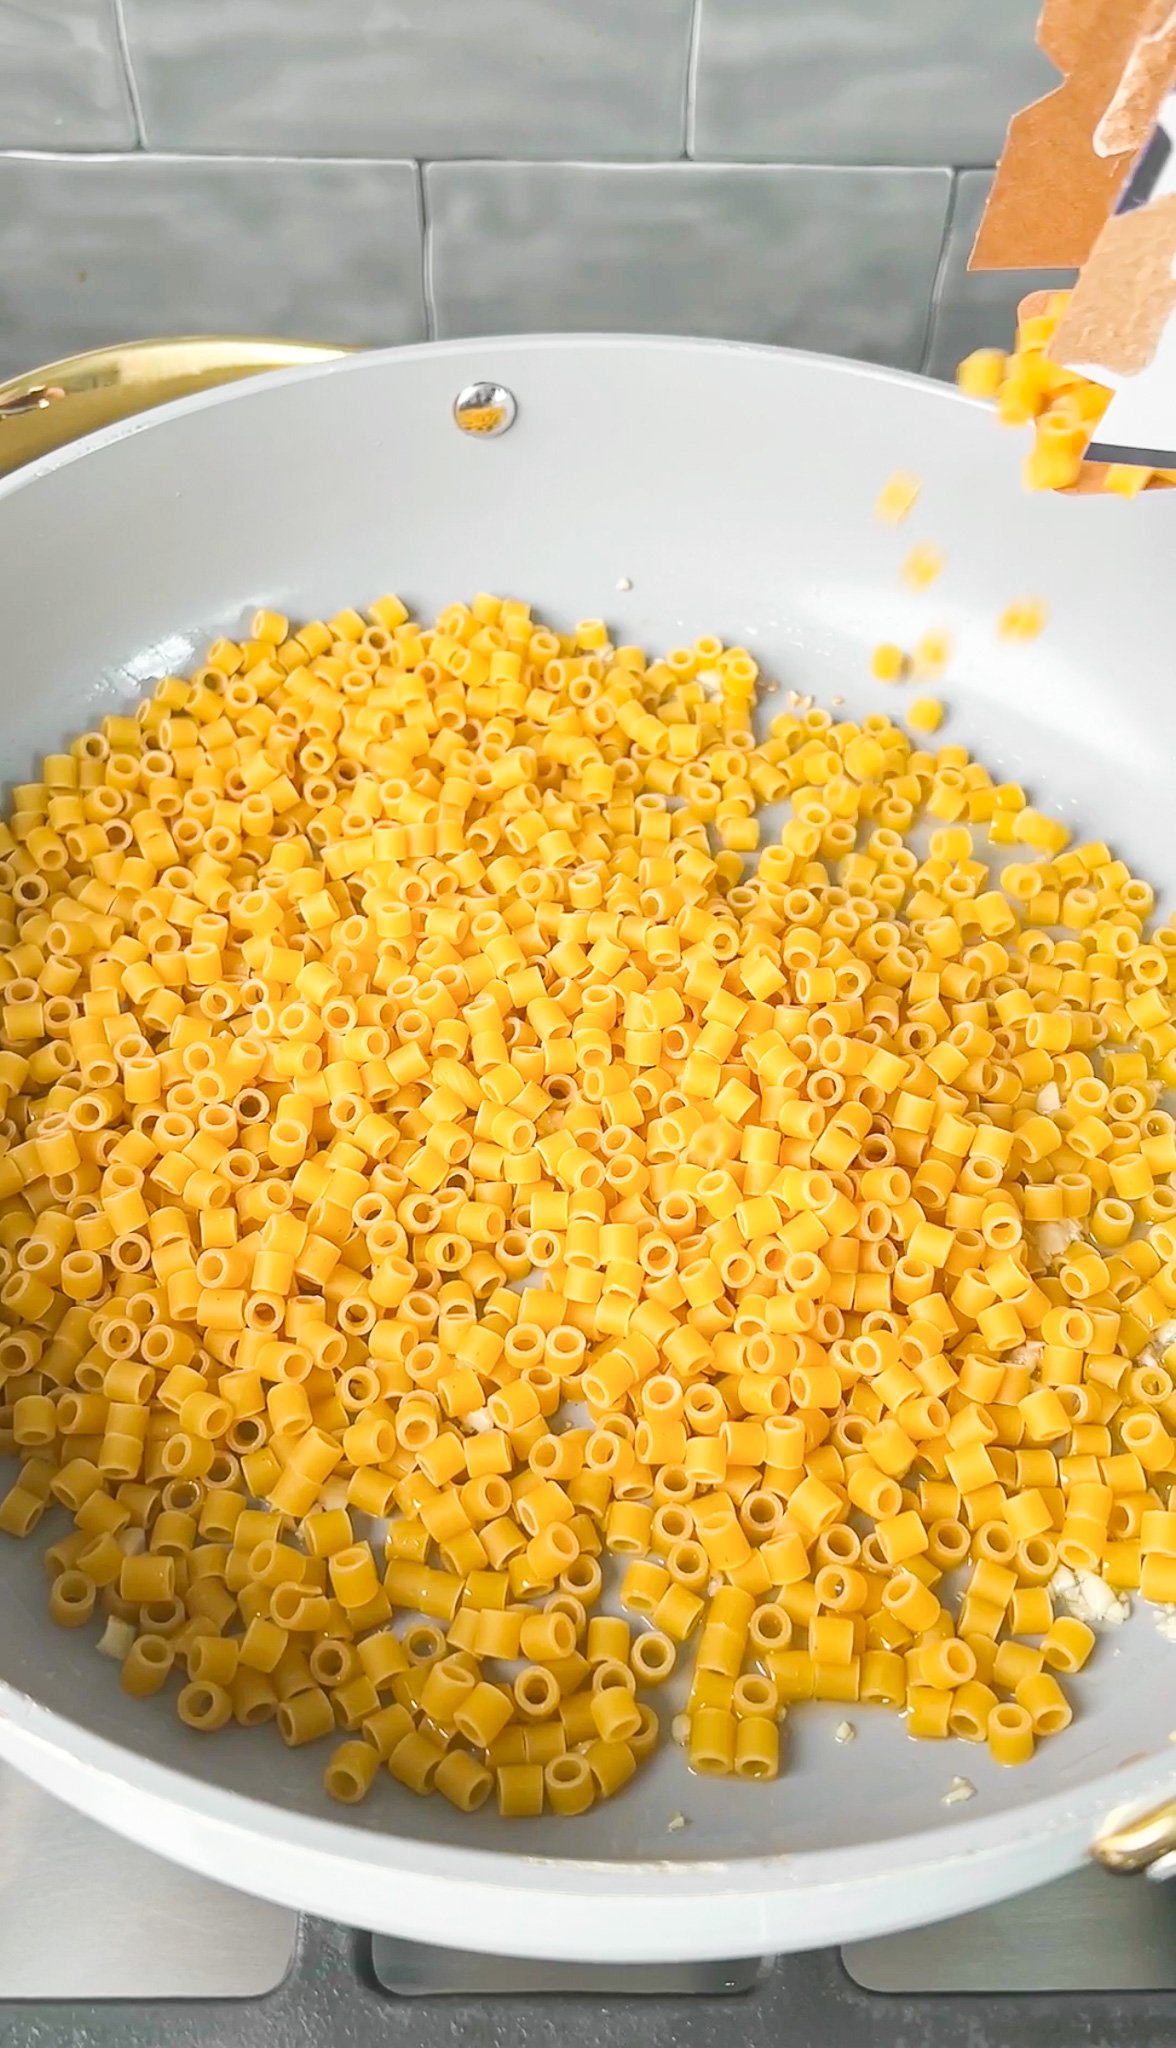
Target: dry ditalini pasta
1063	407
376	969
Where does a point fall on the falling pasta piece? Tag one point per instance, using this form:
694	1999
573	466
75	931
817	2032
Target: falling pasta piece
932	654
981	374
888	662
922	566
1023	620
1054	462
925	714
897	498
1126	480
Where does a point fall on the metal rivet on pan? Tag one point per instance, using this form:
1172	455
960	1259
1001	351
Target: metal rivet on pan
1144	1844
35	399
486	409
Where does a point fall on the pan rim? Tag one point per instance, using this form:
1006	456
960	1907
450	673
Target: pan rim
368	361
507	1879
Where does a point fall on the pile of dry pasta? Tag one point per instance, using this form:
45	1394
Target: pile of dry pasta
376	969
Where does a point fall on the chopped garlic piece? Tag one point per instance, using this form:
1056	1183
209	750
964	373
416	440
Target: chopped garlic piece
1027	1355
624	583
480	1420
710	682
676	1823
1158	1345
959	1790
680	1729
1049	1098
1088	1598
844	1732
1053	1239
116	1638
1166	1623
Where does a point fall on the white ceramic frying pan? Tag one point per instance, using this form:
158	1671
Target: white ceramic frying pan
676	488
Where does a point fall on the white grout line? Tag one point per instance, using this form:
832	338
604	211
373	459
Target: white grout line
605	165
940	277
427	291
692	78
124	45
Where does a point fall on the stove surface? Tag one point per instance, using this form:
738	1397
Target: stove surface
103	1945
85	1915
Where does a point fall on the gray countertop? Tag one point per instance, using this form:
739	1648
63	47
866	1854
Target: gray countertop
105	1946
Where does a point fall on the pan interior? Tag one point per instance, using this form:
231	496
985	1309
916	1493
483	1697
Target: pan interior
674	489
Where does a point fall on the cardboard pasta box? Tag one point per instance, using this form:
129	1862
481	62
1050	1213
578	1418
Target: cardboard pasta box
1087	179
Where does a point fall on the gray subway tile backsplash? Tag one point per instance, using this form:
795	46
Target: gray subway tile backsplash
62	84
116	248
978	308
840	260
375	170
864	81
425	78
